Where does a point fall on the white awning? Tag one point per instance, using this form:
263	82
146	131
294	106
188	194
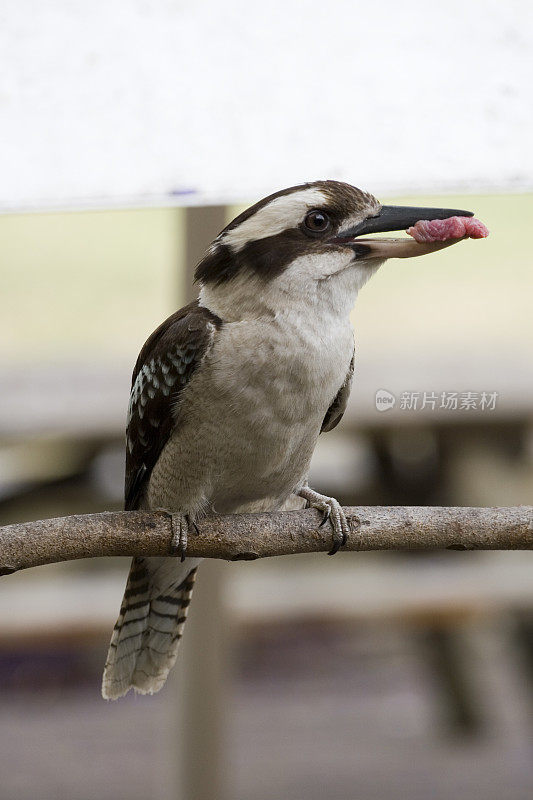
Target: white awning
148	103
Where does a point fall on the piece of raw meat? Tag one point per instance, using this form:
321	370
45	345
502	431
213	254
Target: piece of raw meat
441	230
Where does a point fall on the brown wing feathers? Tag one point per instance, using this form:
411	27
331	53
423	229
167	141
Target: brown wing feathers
338	407
163	369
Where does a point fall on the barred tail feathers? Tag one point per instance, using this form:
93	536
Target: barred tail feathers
146	636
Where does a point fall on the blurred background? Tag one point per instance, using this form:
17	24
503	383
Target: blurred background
131	133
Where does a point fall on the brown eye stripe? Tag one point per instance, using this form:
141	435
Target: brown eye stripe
269	256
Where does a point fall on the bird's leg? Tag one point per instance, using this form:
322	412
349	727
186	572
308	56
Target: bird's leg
332	510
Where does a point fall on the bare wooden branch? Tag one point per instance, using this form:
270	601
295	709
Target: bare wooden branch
251	536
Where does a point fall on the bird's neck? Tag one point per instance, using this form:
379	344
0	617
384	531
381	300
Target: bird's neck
251	298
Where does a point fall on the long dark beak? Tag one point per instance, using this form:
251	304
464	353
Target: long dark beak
399	218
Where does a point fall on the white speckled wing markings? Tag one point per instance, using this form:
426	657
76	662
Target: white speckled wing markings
164	367
146	635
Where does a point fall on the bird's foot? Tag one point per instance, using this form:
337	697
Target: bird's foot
180	532
332	510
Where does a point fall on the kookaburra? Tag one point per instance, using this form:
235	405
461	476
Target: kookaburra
230	393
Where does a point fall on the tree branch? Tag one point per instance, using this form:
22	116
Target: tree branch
250	536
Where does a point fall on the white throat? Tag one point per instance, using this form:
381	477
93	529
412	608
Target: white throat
326	287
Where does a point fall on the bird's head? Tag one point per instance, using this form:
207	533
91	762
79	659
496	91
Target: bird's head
304	246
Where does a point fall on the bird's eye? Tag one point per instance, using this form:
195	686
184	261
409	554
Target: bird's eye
317	222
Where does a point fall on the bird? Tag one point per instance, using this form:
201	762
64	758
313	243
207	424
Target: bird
230	394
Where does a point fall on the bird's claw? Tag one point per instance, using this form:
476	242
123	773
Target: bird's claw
332	511
325	516
340	526
180	534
